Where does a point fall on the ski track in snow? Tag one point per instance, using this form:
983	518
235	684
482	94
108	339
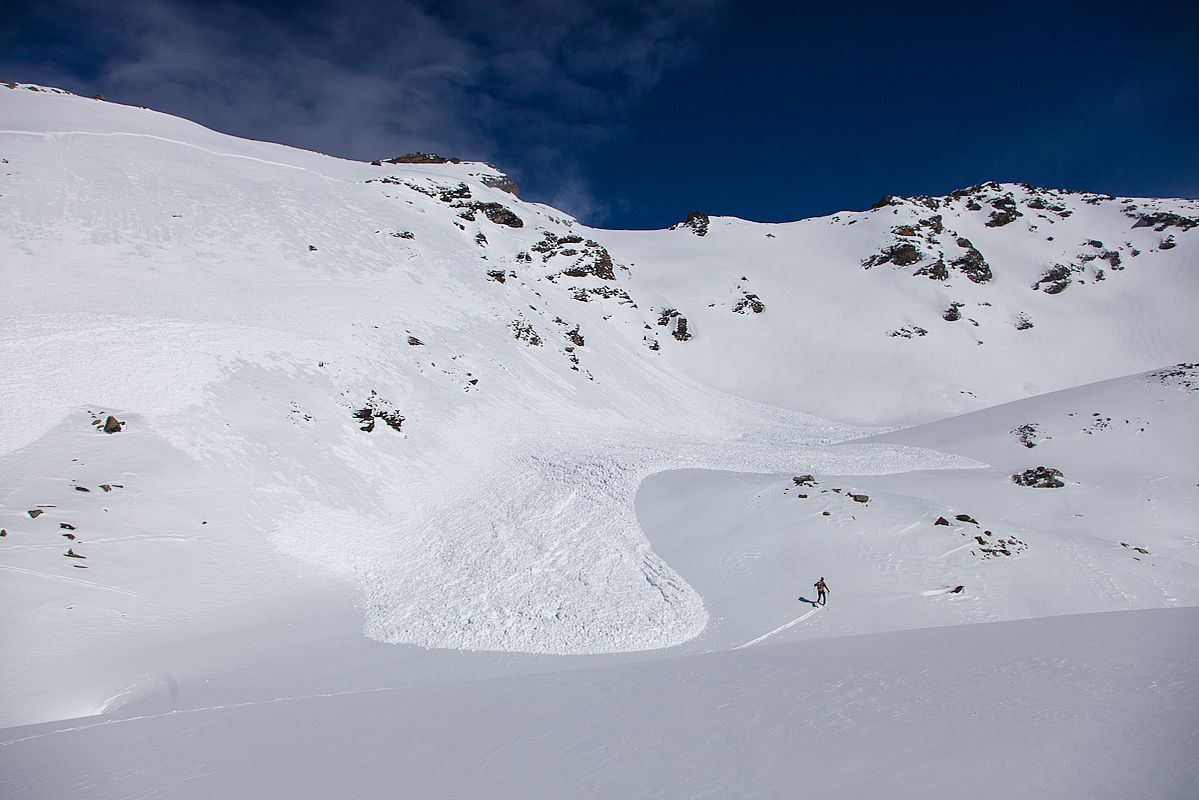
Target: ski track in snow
217	153
81	581
200	710
779	629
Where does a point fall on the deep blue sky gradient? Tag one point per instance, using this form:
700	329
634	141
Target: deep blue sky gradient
632	114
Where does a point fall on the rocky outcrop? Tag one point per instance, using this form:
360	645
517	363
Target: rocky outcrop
376	408
419	158
1029	434
901	254
1054	280
525	332
1040	478
1005	212
501	182
497	213
589	257
1161	220
696	222
749	303
971	263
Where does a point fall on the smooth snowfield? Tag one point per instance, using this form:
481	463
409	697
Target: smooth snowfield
1097	706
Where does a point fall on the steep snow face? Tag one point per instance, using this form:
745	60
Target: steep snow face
405	374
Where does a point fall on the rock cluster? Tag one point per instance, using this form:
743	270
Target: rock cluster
1040	478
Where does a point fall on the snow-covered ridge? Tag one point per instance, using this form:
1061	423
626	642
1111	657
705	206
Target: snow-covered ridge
248	309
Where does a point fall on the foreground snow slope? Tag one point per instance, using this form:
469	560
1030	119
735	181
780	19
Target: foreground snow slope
1098	706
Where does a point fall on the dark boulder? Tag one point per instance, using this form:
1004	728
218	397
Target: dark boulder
1040	478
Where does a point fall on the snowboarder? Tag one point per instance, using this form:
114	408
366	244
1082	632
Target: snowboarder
821	591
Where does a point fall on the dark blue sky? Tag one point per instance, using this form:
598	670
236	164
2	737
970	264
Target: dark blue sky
632	114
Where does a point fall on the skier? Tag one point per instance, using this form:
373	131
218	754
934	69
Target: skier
821	591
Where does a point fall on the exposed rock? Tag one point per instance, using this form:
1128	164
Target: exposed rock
859	498
1040	478
901	254
1054	280
937	270
680	330
66	526
749	303
1005	212
804	480
35	513
957	589
965	518
377	408
1168	243
590	257
497	275
113	425
1161	220
1185	376
421	158
941	521
576	337
1023	322
501	182
497	213
908	331
72	554
82	489
525	332
953	313
697	222
412	340
971	263
1029	434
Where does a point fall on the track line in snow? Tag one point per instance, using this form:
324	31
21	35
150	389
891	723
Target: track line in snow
93	584
779	629
52	134
202	709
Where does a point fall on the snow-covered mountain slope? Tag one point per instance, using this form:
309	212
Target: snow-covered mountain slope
1100	706
399	385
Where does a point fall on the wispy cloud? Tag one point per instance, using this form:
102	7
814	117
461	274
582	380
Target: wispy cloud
527	83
